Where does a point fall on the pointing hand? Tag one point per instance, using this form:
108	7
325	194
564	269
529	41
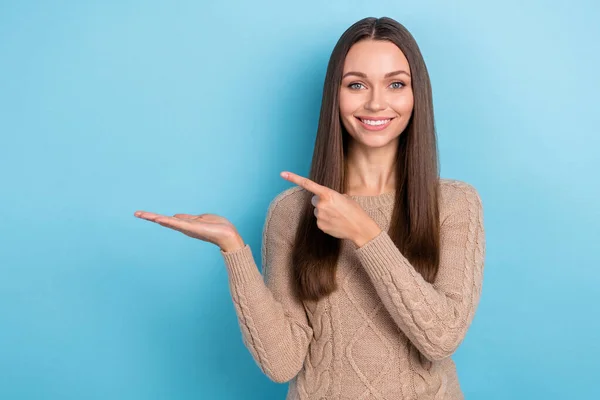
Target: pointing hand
337	214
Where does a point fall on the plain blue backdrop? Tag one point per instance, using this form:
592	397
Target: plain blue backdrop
108	107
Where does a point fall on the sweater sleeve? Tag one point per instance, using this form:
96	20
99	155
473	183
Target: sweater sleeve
434	317
274	325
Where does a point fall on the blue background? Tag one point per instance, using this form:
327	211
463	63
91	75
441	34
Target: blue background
108	107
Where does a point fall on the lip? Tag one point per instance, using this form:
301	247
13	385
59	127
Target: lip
377	127
373	118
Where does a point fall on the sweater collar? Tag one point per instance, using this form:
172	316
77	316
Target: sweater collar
370	202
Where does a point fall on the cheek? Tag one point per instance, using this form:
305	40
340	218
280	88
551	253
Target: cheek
349	104
403	104
347	110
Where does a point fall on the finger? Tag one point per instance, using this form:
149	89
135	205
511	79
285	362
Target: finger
147	215
172	222
185	216
210	218
306	183
314	200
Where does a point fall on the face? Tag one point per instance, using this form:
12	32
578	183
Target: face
376	101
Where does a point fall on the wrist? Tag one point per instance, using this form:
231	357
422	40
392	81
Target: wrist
366	235
233	244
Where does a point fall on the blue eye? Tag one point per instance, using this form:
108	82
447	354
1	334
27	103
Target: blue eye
351	86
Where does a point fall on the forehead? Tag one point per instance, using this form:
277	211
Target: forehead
375	57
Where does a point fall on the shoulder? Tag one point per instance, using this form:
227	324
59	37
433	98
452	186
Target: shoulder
288	199
453	188
285	208
458	196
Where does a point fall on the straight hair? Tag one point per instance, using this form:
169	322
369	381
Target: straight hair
414	227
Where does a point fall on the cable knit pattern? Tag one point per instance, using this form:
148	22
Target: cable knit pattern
385	333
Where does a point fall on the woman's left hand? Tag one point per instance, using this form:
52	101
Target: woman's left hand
337	214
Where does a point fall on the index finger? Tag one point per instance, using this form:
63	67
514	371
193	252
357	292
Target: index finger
306	183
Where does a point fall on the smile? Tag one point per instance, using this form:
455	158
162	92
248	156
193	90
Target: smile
375	124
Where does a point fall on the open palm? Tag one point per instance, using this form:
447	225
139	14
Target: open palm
207	227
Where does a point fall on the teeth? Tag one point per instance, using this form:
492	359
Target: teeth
371	122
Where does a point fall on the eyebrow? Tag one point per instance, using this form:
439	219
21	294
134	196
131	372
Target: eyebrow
360	74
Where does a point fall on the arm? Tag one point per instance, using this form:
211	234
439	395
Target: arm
435	317
274	324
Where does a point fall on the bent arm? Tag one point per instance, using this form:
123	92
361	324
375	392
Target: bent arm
435	317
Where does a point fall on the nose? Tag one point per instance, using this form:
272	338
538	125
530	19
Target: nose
376	100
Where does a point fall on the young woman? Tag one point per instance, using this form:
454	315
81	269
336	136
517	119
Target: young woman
373	265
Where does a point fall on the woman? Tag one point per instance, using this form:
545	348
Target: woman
373	265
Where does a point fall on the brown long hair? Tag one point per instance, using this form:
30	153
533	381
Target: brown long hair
414	227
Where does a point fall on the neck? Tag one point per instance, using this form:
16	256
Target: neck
369	171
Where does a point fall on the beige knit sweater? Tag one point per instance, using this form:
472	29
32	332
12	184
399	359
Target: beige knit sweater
363	340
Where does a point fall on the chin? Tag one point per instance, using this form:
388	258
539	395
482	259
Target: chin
373	138
374	142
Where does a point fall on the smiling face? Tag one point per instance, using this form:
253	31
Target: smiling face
376	100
